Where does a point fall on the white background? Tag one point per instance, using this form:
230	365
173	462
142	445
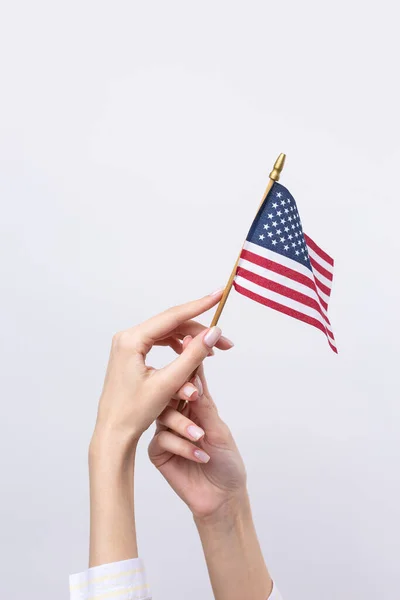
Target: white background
136	142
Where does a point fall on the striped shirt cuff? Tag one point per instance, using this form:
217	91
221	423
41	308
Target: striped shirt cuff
124	580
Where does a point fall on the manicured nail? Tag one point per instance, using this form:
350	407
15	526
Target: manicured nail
212	336
217	292
189	390
202	456
195	432
227	341
199	385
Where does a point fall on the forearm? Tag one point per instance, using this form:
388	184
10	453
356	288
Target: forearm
112	516
235	563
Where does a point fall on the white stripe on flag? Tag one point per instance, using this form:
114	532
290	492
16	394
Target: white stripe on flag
293	304
326	282
283	260
289	263
281	279
320	260
323	296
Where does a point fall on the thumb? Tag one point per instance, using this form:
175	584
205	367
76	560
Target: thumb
174	375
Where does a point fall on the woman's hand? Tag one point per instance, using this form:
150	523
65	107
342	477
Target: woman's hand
134	394
196	453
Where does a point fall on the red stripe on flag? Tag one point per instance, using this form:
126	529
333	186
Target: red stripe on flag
323	303
286	272
284	309
315	265
322	287
283	290
318	250
277	268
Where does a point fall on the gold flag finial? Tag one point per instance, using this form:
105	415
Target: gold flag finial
278	166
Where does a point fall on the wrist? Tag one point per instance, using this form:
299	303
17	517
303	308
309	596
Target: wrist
111	446
232	551
230	514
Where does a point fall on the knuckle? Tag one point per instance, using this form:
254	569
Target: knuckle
116	338
123	341
197	350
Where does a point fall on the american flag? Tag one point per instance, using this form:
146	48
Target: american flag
281	267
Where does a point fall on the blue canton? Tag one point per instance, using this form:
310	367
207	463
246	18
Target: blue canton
277	226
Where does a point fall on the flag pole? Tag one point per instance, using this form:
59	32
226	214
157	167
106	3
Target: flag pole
273	176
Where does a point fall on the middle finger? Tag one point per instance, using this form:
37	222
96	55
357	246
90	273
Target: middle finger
180	424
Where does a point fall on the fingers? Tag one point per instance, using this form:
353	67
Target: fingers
193	328
186	341
174	375
205	411
173	341
190	390
180	424
161	325
166	441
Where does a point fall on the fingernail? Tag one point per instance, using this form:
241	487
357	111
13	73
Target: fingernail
189	390
202	456
195	432
227	340
199	385
212	336
217	292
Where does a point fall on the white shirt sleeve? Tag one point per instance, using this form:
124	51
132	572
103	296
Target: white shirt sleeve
275	595
124	580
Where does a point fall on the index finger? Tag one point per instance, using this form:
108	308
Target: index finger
161	325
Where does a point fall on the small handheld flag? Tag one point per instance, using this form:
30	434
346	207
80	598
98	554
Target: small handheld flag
281	267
